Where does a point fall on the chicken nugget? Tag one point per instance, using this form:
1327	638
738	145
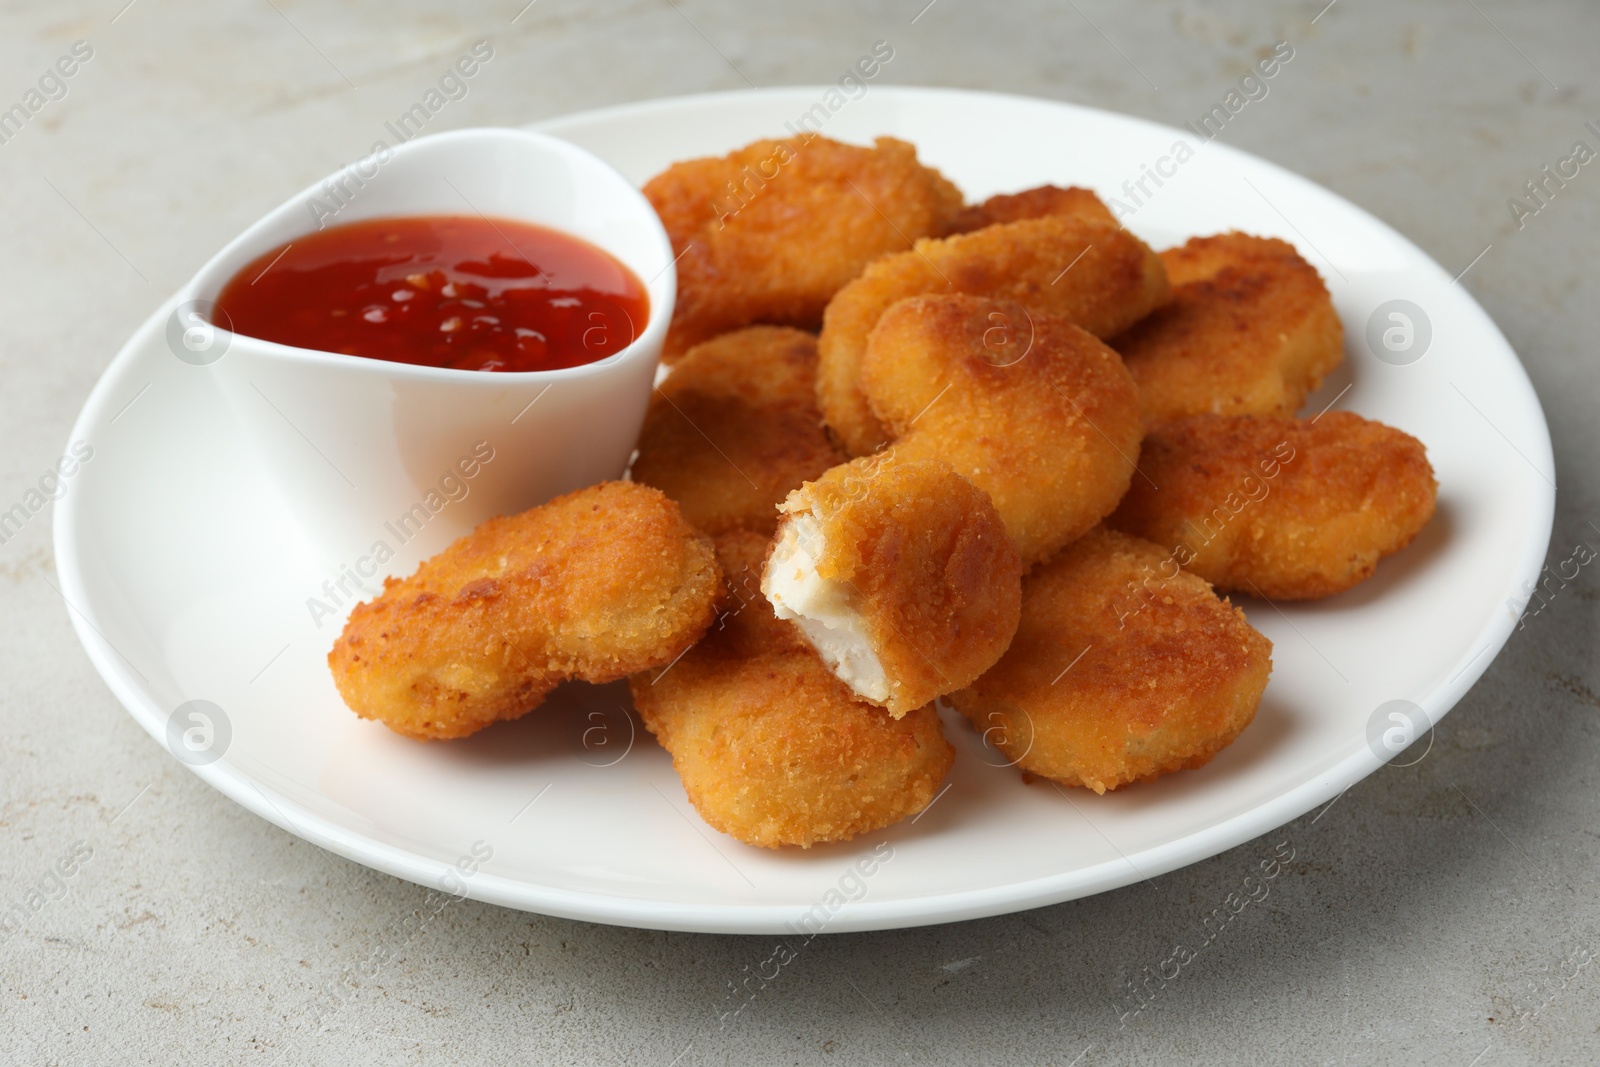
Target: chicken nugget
1028	407
1250	330
772	748
594	585
1093	274
1109	682
1033	203
900	574
735	427
1278	507
768	234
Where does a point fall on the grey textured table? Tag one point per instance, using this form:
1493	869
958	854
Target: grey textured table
1439	913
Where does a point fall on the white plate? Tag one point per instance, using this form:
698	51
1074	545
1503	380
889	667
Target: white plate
187	580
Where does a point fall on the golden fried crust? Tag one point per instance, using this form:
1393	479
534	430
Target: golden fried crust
1033	203
771	747
1090	273
938	580
1123	669
735	427
593	585
770	232
1050	435
1278	507
746	626
1250	330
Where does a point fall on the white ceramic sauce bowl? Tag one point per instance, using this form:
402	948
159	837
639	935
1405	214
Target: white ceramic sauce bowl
366	451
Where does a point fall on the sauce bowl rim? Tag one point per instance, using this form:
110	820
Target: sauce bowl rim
208	282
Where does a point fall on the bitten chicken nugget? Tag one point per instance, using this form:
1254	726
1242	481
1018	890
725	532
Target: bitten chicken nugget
1250	330
1095	275
593	585
900	574
735	427
1028	407
1033	203
1113	679
1278	507
768	234
771	747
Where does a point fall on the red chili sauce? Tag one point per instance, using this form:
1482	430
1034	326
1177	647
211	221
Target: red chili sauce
443	291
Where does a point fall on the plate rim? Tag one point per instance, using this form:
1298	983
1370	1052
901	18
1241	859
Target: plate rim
867	914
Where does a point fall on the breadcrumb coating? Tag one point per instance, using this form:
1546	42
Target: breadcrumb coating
1250	330
1033	203
771	747
1289	509
768	233
735	427
1090	273
594	585
920	565
1122	669
1031	409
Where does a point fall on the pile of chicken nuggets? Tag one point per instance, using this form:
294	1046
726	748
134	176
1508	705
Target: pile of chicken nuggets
911	449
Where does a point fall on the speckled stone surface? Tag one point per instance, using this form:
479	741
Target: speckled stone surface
1439	913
